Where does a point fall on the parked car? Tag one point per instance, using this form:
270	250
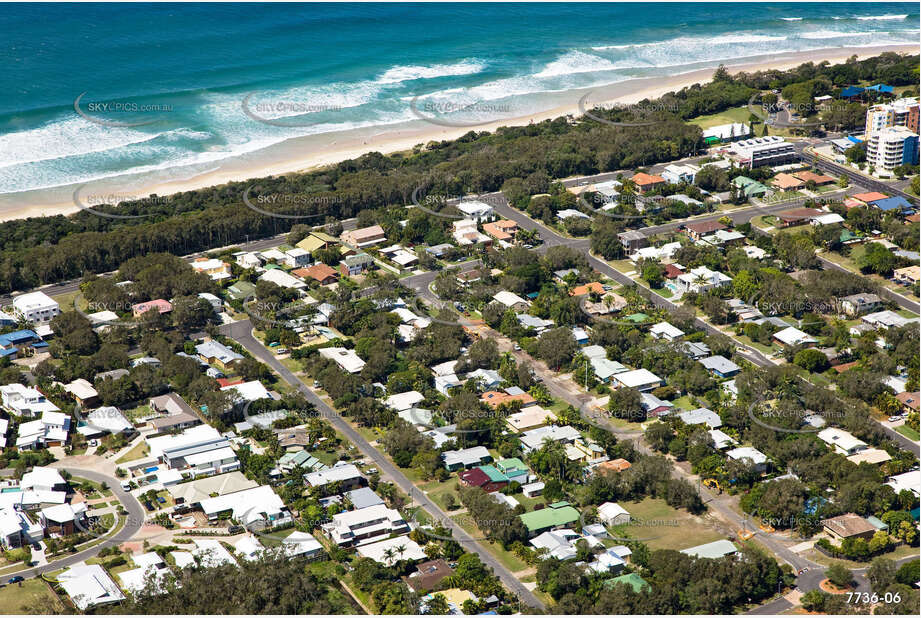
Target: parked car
235	529
16	579
894	419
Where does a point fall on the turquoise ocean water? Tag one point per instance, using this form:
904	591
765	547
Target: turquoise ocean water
174	90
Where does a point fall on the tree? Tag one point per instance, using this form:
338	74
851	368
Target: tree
813	600
811	360
557	347
627	404
839	575
882	573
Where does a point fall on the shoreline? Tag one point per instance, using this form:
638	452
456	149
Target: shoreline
308	153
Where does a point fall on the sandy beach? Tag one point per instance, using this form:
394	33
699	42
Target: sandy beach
310	152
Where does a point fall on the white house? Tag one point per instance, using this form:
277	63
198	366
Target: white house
511	300
404	401
347	359
89	585
282	279
199	450
749	455
640	379
842	441
259	507
791	336
664	330
25	401
476	210
677	174
613	514
390	551
351	527
36	307
701	416
701	279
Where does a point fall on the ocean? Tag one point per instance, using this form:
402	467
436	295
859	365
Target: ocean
172	91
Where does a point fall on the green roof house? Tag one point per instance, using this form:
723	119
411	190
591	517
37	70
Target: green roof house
631	579
553	516
241	290
514	469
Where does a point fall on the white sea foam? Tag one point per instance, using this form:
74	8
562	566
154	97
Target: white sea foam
408	73
881	17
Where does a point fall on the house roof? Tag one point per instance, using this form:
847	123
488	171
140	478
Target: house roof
559	514
871	196
848	525
705	227
643	179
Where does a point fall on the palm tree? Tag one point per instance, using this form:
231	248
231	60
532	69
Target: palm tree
389	554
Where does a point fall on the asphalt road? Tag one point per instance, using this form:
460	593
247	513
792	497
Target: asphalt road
134	521
241	332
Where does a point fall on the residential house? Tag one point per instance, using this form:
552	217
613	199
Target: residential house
696	231
633	240
255	508
466	458
350	527
554	515
647	182
751	456
343	478
848	526
89	585
721	440
678	174
529	418
216	353
910	275
791	336
320	272
664	330
161	306
297	258
720	366
701	416
241	290
25	401
347	359
217	269
841	441
613	514
909	401
175	413
25	341
198	451
534	439
488	478
36	307
364	237
701	279
503	229
63	519
511	301
787	182
514	469
856	304
640	379
428	575
797	216
51	429
466	233
282	279
476	210
356	264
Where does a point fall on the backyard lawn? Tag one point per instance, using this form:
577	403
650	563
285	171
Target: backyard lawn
663	527
137	452
33	596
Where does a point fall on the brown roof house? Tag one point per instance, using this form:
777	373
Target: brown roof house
364	237
848	526
797	216
428	575
321	272
647	182
698	230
